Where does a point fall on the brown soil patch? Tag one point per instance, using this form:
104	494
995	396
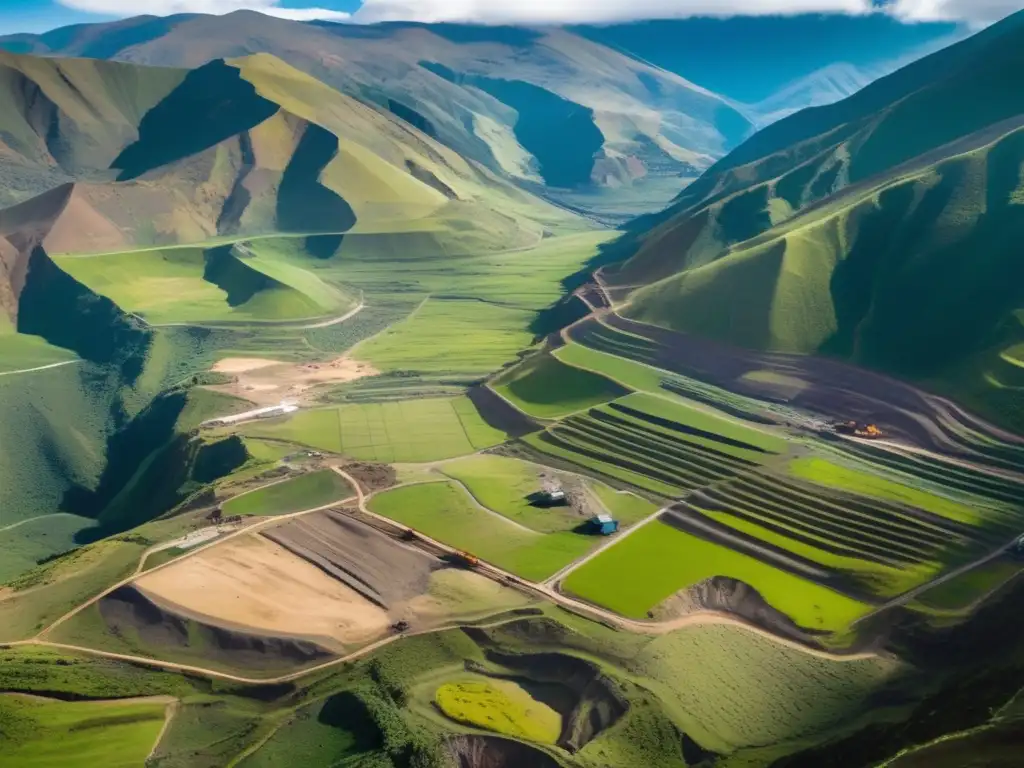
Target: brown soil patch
371	563
372	477
267	382
252	582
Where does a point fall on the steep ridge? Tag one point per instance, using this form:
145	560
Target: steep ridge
651	129
881	233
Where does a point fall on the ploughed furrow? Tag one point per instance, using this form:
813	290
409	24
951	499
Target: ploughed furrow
675	426
601	440
852	510
804	524
685	518
593	334
656	452
699	393
647	436
902	515
811	540
559	441
943	473
836	524
636	426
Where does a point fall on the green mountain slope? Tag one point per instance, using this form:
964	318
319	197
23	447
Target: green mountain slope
882	233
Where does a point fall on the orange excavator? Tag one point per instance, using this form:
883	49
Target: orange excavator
466	559
853	429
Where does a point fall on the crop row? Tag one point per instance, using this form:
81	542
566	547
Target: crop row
659	455
945	474
685	429
593	334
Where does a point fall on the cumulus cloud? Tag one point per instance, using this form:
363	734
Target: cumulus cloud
169	7
527	11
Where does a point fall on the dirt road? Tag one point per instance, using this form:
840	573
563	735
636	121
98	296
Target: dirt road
590	611
40	368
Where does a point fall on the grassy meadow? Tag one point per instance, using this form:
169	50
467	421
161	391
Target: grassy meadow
41	733
314	489
545	388
662	561
404	431
500	706
445	512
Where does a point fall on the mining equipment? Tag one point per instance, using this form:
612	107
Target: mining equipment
855	429
466	559
400	626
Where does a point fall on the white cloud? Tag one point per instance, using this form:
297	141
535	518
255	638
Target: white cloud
169	7
527	11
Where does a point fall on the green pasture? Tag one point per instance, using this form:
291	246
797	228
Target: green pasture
500	706
401	431
546	388
734	688
866	484
661	561
636	376
41	733
503	484
21	352
445	512
24	544
308	491
452	336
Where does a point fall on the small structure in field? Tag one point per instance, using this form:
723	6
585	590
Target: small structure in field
548	497
605	525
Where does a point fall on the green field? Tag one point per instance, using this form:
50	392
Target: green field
503	484
42	733
308	491
500	706
445	512
20	352
662	561
403	431
545	388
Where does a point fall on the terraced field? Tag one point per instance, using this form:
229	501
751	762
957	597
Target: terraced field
832	389
659	445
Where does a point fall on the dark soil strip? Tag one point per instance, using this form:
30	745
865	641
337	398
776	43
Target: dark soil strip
799	528
669	459
736	462
641	443
499	414
615	461
858	534
675	426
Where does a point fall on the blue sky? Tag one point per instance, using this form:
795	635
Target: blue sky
40	15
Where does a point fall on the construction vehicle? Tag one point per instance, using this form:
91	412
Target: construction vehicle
400	626
409	535
466	559
854	429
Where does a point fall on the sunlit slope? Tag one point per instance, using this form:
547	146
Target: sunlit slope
545	106
888	239
62	118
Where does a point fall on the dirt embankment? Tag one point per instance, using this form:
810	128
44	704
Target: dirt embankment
252	583
127	612
369	562
268	382
495	752
727	595
372	477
